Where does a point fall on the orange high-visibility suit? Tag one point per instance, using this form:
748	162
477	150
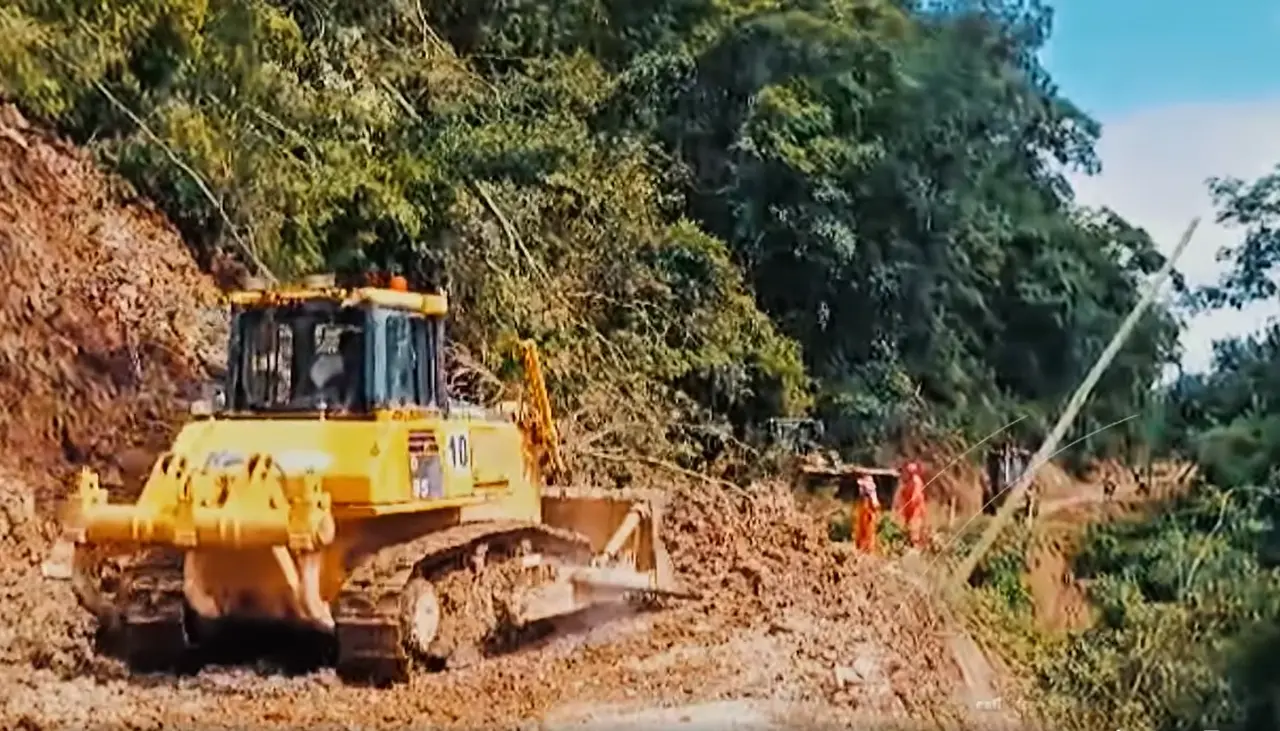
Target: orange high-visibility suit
911	503
866	514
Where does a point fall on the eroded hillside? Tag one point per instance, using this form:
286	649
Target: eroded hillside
109	324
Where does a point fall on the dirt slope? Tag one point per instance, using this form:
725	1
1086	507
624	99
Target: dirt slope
104	322
101	311
1061	601
107	324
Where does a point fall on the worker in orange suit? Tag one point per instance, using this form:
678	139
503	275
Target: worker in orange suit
911	503
866	514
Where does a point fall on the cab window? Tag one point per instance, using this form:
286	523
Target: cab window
297	358
407	365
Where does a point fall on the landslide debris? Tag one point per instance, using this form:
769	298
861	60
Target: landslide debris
788	617
105	317
108	323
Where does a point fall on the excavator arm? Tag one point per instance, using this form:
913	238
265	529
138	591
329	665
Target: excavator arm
622	525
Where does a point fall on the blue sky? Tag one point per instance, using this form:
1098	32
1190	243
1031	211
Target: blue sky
1121	56
1184	91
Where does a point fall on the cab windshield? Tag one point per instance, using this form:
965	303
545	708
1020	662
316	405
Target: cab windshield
303	357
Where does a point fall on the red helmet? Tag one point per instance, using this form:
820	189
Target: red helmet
912	468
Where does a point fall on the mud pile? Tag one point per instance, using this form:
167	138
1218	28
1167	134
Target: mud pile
761	561
104	316
105	323
108	322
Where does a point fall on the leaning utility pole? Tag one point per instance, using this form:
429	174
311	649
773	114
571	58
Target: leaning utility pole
1078	399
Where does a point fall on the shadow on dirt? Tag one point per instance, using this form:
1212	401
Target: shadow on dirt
269	648
277	649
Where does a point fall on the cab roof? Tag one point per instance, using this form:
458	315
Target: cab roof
395	297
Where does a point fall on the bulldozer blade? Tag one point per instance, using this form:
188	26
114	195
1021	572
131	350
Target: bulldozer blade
616	579
583	587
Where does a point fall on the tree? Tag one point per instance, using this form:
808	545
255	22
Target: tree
1255	207
727	209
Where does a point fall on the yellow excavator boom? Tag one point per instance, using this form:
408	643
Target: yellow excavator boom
538	415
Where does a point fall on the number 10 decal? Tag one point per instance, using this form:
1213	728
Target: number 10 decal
459	451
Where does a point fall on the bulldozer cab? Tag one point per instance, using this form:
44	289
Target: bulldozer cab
330	352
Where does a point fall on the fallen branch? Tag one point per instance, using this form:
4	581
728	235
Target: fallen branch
263	269
509	231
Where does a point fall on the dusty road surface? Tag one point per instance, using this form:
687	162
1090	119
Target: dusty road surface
789	620
105	325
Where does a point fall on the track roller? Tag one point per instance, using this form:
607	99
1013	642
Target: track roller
390	614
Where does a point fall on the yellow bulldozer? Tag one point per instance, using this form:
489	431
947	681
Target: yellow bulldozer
334	484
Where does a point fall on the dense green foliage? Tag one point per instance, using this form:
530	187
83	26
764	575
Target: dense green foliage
1182	599
717	210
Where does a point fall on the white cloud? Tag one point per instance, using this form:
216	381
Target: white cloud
1155	167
